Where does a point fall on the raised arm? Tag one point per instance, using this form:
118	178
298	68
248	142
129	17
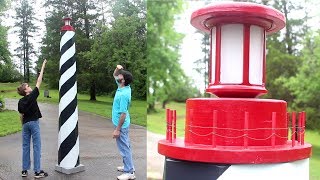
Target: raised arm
116	70
39	80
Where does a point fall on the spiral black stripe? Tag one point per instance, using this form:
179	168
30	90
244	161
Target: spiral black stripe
67	112
67	45
67	145
67	85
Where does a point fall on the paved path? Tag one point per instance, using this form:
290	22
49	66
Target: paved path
98	151
155	160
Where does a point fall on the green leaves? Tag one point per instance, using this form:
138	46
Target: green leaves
165	75
100	46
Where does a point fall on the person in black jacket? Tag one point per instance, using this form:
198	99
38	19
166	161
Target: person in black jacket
30	114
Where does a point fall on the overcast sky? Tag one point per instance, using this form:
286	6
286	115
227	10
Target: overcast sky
13	39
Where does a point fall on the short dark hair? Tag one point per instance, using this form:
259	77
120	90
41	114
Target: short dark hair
21	88
127	76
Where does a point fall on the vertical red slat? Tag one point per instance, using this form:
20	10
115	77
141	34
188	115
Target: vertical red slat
167	120
174	125
293	136
246	126
210	59
299	127
214	127
273	138
246	51
218	54
288	124
303	126
170	125
264	59
191	124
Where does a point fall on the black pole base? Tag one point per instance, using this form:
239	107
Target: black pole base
186	170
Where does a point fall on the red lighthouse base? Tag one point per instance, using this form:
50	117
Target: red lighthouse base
236	131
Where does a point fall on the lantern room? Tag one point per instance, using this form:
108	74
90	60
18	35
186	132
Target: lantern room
238	45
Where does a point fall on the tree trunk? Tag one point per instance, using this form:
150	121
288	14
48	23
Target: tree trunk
93	91
151	108
27	59
164	103
288	29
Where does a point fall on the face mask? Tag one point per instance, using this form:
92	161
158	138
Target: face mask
119	80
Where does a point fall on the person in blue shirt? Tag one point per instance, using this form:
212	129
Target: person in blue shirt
121	121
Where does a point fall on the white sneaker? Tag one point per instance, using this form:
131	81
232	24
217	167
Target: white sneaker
126	176
120	168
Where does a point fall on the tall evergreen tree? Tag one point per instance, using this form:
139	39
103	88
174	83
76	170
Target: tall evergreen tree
25	23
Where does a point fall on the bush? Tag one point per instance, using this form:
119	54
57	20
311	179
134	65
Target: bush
2	103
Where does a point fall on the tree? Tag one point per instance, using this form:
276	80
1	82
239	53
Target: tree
283	54
8	73
305	84
122	42
84	24
162	49
25	24
202	65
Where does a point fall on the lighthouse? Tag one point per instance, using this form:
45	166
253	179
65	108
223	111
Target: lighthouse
237	135
68	137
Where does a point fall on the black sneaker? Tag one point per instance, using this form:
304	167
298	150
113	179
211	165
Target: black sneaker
40	174
24	173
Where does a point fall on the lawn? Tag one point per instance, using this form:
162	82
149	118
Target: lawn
102	106
157	123
9	122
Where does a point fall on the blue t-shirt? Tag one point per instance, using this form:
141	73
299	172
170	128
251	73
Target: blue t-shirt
121	103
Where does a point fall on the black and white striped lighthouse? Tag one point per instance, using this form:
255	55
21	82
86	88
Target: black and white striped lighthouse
68	138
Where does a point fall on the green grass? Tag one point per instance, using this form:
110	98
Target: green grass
102	106
9	122
157	123
313	138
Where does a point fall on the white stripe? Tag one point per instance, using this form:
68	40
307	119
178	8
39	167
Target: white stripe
295	170
68	127
67	75
66	37
67	55
70	160
67	98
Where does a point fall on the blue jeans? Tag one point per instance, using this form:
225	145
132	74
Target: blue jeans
31	129
123	143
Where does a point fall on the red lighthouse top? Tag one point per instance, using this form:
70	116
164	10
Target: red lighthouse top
238	12
237	52
67	26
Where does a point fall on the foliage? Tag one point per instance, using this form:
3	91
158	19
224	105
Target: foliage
123	42
164	70
2	103
305	84
100	45
25	23
283	57
202	65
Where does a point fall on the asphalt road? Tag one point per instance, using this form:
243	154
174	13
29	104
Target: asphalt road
98	150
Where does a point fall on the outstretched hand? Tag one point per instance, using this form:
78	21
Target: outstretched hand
119	67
